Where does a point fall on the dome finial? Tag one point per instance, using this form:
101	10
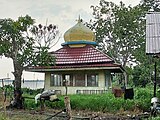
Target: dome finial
79	19
79	35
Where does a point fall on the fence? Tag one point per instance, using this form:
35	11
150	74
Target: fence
91	91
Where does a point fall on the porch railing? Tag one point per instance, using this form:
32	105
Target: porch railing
91	91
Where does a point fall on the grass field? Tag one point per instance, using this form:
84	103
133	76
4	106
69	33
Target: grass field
83	105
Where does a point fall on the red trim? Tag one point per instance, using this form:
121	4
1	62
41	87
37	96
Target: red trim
76	66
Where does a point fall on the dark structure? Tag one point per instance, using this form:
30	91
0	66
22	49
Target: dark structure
153	39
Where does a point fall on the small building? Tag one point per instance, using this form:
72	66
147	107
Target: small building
80	68
153	41
153	33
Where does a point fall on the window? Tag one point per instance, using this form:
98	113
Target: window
92	80
69	79
79	80
56	80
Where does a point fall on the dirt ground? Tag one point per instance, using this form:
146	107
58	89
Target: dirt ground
36	115
47	114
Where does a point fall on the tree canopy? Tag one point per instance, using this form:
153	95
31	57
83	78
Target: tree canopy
119	30
26	44
120	33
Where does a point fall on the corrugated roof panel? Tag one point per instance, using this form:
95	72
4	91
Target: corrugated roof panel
153	33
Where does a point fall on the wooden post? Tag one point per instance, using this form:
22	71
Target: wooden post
2	83
4	97
155	79
4	101
66	83
42	102
68	107
125	79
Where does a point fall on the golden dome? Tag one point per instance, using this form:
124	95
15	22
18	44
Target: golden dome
79	33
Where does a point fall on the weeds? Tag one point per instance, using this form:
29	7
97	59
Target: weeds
102	102
108	103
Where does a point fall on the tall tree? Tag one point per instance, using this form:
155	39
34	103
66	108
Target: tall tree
145	67
150	5
119	30
27	45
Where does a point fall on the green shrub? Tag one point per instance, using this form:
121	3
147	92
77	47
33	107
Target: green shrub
57	104
102	102
143	97
30	104
143	93
31	91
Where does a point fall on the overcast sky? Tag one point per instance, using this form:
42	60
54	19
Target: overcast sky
63	13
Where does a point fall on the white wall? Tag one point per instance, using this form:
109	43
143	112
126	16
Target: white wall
72	89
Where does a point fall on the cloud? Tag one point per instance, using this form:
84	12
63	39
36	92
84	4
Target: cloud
63	13
51	9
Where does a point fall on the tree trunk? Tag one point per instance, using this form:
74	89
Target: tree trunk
17	100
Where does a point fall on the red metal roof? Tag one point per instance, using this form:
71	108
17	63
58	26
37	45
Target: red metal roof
81	55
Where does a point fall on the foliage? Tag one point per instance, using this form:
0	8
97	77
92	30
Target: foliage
119	30
103	102
151	5
141	76
143	97
86	102
154	118
26	44
145	68
30	104
28	91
